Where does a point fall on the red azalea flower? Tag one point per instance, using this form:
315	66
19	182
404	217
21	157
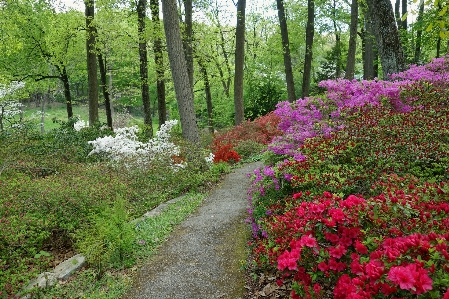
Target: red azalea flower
337	252
374	269
309	241
297	195
362	249
403	277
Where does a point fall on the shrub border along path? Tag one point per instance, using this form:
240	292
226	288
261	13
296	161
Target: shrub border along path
202	257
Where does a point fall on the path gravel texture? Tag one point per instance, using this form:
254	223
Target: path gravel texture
202	258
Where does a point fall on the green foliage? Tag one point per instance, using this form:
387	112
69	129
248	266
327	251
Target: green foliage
262	95
249	148
108	238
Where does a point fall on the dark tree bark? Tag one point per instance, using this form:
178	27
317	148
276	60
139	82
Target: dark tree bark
337	41
91	61
188	38
286	49
387	37
68	97
239	62
419	32
159	62
350	62
104	88
368	51
404	24
143	58
439	37
178	66
203	70
310	30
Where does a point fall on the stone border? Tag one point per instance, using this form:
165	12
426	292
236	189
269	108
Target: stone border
65	269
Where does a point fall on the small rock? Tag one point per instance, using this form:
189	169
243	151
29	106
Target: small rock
66	268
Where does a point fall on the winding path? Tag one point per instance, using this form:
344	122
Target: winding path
202	258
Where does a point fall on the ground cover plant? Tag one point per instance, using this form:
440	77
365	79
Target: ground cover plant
353	201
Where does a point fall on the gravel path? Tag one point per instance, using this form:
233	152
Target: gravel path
201	259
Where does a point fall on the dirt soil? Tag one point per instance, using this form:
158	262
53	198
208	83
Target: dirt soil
203	257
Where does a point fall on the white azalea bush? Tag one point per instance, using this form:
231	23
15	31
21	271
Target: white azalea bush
9	107
125	147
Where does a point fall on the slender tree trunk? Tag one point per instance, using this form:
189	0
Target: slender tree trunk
203	70
404	13
419	32
286	50
397	5
159	61
387	37
307	74
104	88
188	38
439	37
239	62
368	53
91	62
43	115
337	42
226	58
222	77
68	97
178	66
143	57
350	62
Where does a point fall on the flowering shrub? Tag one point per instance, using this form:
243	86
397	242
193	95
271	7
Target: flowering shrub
355	204
124	146
246	137
226	154
377	246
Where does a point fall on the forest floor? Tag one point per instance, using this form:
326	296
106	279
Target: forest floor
204	257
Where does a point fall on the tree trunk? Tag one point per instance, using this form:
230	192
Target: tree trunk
350	62
419	32
203	70
226	58
159	62
439	37
91	62
223	80
397	5
104	88
67	95
337	42
178	66
239	62
143	57
404	13
309	47
387	37
43	115
286	50
188	38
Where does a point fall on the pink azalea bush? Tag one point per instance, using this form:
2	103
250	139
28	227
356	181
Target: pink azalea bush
357	203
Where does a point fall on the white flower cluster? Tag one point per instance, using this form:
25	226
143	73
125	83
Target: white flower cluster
125	146
210	158
13	87
10	108
80	124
